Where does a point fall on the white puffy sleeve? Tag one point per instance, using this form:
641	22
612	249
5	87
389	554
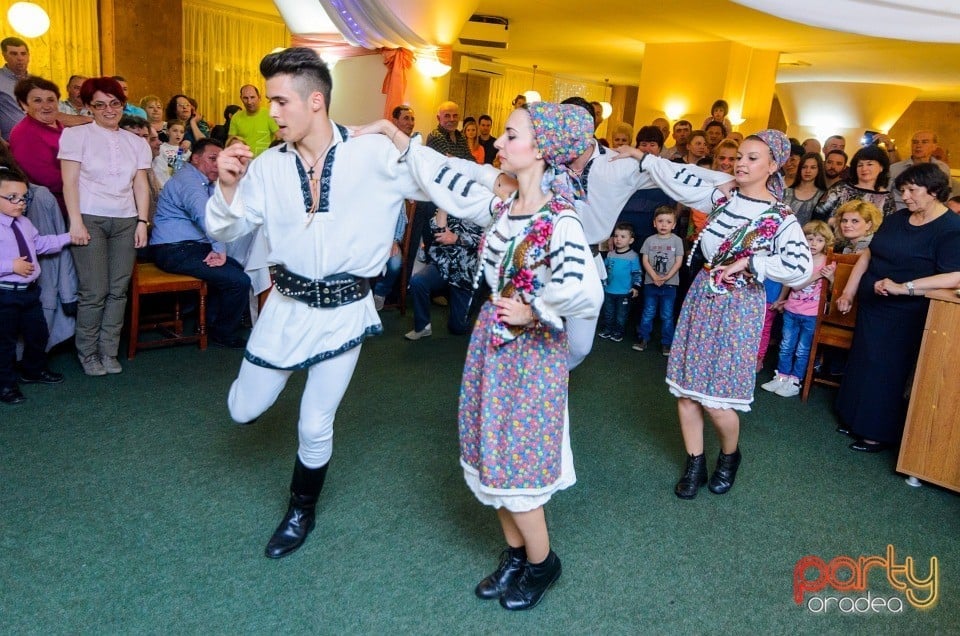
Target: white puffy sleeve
574	289
228	222
789	262
462	188
692	186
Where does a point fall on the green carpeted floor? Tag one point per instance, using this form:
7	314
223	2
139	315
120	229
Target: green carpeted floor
132	504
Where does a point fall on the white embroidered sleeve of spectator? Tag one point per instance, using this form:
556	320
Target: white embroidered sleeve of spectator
457	191
574	289
790	262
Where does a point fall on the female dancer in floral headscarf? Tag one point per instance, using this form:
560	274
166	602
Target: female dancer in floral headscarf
514	427
750	236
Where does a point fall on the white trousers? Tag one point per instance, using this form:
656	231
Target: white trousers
257	388
580	333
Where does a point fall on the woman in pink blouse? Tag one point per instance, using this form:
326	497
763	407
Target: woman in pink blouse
35	141
107	194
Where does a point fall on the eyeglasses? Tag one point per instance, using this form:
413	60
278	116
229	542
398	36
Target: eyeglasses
17	200
115	104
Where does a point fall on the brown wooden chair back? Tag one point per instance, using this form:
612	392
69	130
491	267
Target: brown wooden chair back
834	329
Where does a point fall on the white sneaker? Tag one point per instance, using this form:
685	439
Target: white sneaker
790	388
378	302
416	335
774	384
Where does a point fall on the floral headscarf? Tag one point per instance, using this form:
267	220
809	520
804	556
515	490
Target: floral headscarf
562	133
780	149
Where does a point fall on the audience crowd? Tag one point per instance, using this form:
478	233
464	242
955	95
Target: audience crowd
122	181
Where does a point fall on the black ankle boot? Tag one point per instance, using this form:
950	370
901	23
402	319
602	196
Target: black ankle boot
305	488
694	476
511	565
722	479
527	589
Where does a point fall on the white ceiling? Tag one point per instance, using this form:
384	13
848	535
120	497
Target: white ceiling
605	39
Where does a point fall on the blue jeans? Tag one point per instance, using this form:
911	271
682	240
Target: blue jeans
795	344
426	284
385	285
614	313
657	299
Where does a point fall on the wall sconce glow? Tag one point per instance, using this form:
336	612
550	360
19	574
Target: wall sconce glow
329	59
532	96
428	64
606	110
278	49
735	118
674	110
28	19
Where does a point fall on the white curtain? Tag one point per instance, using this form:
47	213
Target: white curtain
222	49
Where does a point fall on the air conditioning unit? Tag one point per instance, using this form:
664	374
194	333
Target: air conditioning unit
485	32
476	66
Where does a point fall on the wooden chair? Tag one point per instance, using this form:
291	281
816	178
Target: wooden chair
834	329
149	279
411	207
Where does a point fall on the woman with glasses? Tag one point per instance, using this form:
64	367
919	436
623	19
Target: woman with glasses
107	193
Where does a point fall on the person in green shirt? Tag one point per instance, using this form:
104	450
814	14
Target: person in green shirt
253	124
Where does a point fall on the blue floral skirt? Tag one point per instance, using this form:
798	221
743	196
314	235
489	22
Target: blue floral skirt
714	353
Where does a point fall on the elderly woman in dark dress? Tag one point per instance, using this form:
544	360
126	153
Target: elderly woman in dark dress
907	257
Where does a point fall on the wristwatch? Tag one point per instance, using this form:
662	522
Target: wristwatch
910	288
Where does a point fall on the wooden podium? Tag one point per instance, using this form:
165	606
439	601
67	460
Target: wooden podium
930	450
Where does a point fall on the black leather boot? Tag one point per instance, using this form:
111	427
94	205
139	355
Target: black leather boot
694	476
722	479
305	488
511	565
527	589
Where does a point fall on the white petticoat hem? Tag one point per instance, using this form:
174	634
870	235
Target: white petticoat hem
709	401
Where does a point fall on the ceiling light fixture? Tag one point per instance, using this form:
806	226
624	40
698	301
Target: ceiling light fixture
28	19
532	95
430	65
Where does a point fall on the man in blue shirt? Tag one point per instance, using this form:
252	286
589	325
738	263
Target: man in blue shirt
16	54
128	108
181	245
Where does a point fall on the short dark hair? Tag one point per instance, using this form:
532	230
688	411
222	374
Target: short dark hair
925	175
796	149
581	102
682	122
468	120
106	85
871	153
483	118
305	65
230	111
623	225
720	103
73	77
6	43
133	121
12	173
713	124
398	110
119	78
199	146
650	133
837	151
30	82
